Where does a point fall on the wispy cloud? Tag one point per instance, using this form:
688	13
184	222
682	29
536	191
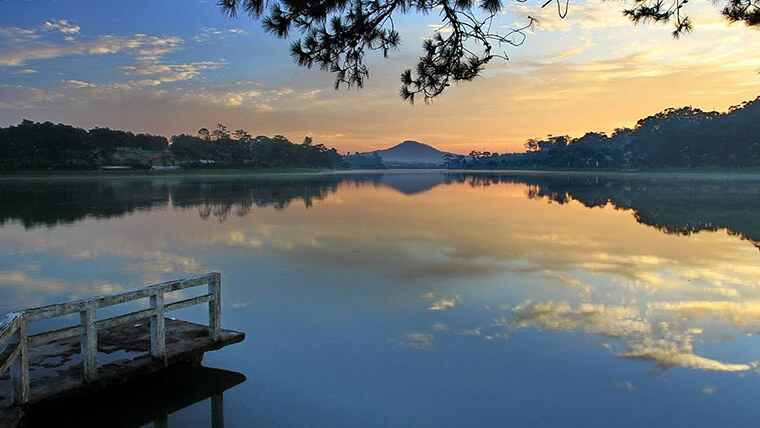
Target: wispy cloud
422	341
33	289
144	47
442	304
72	83
62	26
18	34
611	321
24	71
164	73
206	34
667	353
17	97
667	344
740	314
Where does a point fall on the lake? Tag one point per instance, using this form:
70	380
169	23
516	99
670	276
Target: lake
429	298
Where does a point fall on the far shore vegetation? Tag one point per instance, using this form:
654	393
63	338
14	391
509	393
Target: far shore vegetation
47	147
675	140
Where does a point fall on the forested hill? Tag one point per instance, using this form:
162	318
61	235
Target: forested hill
33	145
682	137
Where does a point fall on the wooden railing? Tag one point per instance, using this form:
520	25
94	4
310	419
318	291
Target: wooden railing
14	337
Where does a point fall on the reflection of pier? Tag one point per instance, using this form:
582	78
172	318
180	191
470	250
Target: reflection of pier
146	401
64	362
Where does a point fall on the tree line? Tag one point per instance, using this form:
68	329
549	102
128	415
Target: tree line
682	137
34	145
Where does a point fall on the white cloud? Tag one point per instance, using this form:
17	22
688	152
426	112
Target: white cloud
668	344
667	353
444	304
63	26
611	321
79	84
740	314
206	34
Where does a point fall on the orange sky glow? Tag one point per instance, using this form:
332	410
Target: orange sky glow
592	71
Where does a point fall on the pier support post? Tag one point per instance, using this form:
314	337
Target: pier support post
20	367
158	328
217	410
162	421
89	344
215	306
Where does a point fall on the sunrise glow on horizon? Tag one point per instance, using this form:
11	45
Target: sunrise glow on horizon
172	67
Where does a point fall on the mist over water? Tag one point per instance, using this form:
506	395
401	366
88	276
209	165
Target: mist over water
429	298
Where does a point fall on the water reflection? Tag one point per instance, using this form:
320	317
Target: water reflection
673	204
49	203
150	402
426	295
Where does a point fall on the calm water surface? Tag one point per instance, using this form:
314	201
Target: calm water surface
429	299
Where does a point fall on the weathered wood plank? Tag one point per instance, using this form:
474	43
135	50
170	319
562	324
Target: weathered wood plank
61	309
141	293
20	368
215	306
8	326
114	321
182	304
7	357
158	328
89	344
127	318
61	333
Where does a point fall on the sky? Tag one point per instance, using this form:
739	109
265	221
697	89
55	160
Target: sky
173	66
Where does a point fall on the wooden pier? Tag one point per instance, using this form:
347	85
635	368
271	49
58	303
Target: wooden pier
98	353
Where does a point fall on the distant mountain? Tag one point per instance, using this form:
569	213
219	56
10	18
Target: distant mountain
412	152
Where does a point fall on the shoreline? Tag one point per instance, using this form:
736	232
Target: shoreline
135	174
688	173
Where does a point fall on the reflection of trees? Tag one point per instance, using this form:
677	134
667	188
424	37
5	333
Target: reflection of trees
38	203
54	202
220	199
673	205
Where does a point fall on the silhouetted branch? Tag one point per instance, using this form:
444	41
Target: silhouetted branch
335	34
